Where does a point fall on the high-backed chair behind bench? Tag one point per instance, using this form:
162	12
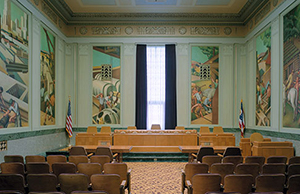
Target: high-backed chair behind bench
218	129
180	128
155	126
131	127
204	129
105	129
91	129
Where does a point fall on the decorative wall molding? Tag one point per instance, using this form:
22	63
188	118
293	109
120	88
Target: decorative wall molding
60	45
205	30
83	49
182	30
182	49
262	13
250	45
48	11
36	26
128	30
243	50
228	49
83	30
129	49
106	30
155	30
227	30
68	49
275	26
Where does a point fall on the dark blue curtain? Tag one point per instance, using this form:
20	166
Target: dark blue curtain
171	105
141	87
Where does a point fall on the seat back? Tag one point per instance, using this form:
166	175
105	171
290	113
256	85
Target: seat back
109	183
63	167
241	183
155	126
104	151
204	129
294	160
73	182
223	169
293	184
105	129
42	182
100	159
210	160
14	158
89	169
235	160
191	169
51	159
77	150
203	183
37	168
34	158
277	159
273	168
12	182
116	168
179	128
131	127
12	168
91	129
256	137
269	183
204	151
232	151
248	168
89	192
256	159
293	169
78	159
218	129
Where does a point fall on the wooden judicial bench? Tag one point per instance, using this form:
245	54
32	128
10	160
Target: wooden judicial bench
267	149
216	139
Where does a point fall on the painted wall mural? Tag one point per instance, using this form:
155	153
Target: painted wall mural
14	76
106	85
204	86
263	78
291	69
47	57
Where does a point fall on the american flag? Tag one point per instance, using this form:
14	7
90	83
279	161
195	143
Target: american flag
69	121
242	120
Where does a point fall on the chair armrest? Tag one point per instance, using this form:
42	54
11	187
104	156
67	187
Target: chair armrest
90	154
129	171
115	155
122	187
194	155
220	155
183	186
190	187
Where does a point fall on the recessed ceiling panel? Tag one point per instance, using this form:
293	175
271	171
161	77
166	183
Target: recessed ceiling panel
213	2
98	2
155	2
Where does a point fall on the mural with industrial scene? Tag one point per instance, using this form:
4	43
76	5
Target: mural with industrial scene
14	75
263	78
204	86
106	85
291	69
47	90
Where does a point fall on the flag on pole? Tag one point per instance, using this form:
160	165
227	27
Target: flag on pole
69	121
242	120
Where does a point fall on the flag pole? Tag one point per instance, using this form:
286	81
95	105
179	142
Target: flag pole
69	139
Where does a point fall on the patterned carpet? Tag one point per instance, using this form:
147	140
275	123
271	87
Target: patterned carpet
155	177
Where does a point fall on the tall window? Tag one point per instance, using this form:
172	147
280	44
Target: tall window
156	86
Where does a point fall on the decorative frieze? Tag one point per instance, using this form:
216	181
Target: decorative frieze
48	11
205	30
156	30
106	30
262	13
128	30
83	30
227	30
182	30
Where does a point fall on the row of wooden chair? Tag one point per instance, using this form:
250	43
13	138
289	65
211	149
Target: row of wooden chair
68	183
242	183
54	192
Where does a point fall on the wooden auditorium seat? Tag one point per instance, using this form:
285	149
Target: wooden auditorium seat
222	169
202	183
42	182
210	160
14	158
34	158
37	168
13	182
73	182
51	159
100	159
110	183
270	183
241	183
89	169
12	168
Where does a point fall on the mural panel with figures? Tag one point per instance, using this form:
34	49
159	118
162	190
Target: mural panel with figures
204	86
47	58
14	75
291	69
106	85
263	78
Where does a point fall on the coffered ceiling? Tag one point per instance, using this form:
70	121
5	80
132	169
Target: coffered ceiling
236	12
